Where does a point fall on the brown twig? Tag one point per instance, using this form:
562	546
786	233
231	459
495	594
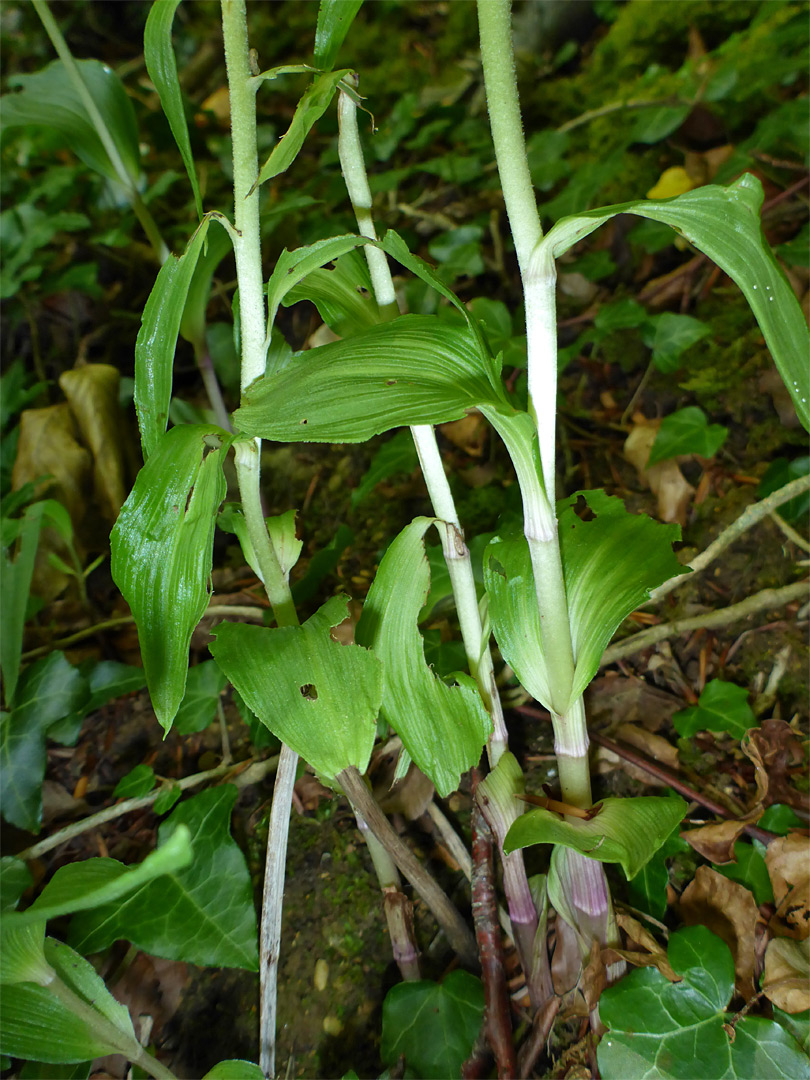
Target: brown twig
533	1046
497	1021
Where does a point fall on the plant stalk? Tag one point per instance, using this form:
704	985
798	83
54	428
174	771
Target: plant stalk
97	120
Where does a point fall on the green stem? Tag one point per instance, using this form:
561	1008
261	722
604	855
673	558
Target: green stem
103	132
108	1032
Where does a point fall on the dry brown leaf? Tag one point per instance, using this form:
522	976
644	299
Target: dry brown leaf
775	745
617	698
665	480
787	974
716	842
788	863
654	746
730	911
468	434
92	393
648	953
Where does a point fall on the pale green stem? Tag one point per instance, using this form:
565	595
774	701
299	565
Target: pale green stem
105	1030
247	250
571	747
107	141
456	553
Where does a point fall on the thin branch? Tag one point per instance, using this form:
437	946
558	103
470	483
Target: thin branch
497	1020
446	914
620	106
765	600
255	772
750	516
787	529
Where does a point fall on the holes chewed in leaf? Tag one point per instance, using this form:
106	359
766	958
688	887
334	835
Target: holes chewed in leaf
309	691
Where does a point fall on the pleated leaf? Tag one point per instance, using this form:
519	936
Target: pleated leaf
48	98
442	727
162	553
157	340
162	67
334	19
319	697
724	223
624	831
414	370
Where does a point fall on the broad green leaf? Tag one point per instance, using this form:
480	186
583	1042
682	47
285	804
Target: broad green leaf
166	799
458	251
433	1024
38	1070
15	584
293	266
106	680
414	370
38	1024
722	707
496	794
96	882
781	472
395	457
198	709
310	109
687	431
798	1024
675	1031
22	958
47	691
317	696
624	831
48	98
610	565
749	870
344	296
234	1069
648	889
334	19
442	727
780	818
671	336
203	913
138	781
158	55
15	878
157	340
193	322
724	223
162	552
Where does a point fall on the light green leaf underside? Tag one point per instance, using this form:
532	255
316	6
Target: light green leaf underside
162	553
442	727
343	296
610	565
319	697
625	831
202	914
157	340
193	321
309	110
414	370
48	98
724	223
158	55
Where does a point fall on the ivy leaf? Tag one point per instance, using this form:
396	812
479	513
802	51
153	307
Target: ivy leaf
442	727
202	913
138	781
395	457
433	1024
162	553
671	336
624	831
234	1069
198	709
687	431
749	870
722	707
47	691
676	1031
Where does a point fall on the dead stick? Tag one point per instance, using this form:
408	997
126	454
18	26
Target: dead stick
447	916
533	1046
497	1021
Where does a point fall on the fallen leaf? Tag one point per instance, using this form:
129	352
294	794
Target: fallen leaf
729	911
647	953
468	434
786	981
674	181
654	746
788	863
778	749
665	480
716	842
